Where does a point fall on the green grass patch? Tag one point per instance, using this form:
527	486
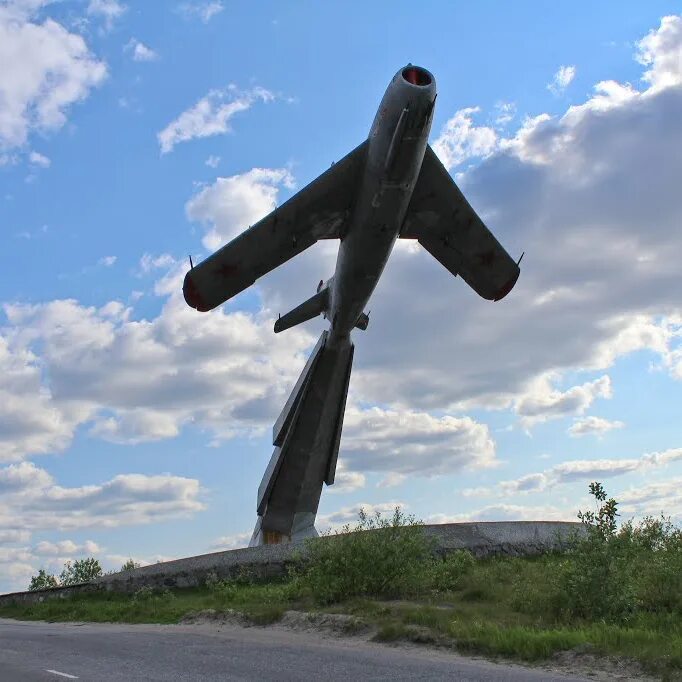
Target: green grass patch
500	621
261	604
615	592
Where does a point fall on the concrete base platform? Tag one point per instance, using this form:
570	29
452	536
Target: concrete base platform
512	538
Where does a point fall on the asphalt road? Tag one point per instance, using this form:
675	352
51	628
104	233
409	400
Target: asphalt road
62	651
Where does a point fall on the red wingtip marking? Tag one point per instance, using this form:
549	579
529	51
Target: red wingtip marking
507	287
192	297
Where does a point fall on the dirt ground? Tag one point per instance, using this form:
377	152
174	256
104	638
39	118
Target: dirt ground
579	661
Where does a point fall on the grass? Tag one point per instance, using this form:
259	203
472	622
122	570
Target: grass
616	591
484	615
261	604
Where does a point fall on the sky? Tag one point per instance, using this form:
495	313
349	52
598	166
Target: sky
135	134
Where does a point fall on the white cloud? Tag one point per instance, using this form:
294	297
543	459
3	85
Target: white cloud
139	51
347	481
130	381
38	159
541	401
226	542
32	501
661	51
52	69
599	281
64	548
30	422
212	161
508	512
107	261
36	502
506	111
211	115
204	11
136	426
413	443
137	380
392	480
460	139
593	426
23	476
12	535
232	204
148	263
109	11
20	562
578	470
561	80
115	561
496	512
349	515
664	497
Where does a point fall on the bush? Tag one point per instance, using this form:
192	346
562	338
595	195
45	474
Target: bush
144	593
227	589
130	565
390	561
613	574
81	571
652	552
42	581
447	574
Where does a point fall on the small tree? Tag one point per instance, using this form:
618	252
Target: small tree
130	565
595	580
42	581
603	521
81	571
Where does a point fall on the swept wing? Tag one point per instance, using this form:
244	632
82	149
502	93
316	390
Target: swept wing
444	223
318	211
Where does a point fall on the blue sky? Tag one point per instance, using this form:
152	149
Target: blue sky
134	134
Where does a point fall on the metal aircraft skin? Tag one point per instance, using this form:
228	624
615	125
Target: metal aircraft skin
391	186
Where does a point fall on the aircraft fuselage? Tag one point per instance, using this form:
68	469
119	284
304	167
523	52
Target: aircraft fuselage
397	142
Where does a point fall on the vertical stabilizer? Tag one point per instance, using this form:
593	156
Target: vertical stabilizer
306	438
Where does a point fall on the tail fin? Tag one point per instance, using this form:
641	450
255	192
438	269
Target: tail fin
306	438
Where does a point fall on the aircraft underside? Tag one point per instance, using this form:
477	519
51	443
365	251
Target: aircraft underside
390	186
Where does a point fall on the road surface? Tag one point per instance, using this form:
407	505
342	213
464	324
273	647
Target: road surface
103	652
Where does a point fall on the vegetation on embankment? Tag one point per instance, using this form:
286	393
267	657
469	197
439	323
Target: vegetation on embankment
617	592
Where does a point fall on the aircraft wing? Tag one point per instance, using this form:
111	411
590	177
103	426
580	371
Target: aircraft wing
318	211
444	223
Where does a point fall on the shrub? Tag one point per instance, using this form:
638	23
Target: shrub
613	573
227	589
656	564
145	593
42	581
448	573
387	562
130	565
81	571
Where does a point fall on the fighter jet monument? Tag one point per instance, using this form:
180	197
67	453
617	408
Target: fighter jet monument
391	186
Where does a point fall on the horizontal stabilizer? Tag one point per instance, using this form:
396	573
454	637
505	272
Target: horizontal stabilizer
306	311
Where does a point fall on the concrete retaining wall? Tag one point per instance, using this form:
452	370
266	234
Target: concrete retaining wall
514	538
